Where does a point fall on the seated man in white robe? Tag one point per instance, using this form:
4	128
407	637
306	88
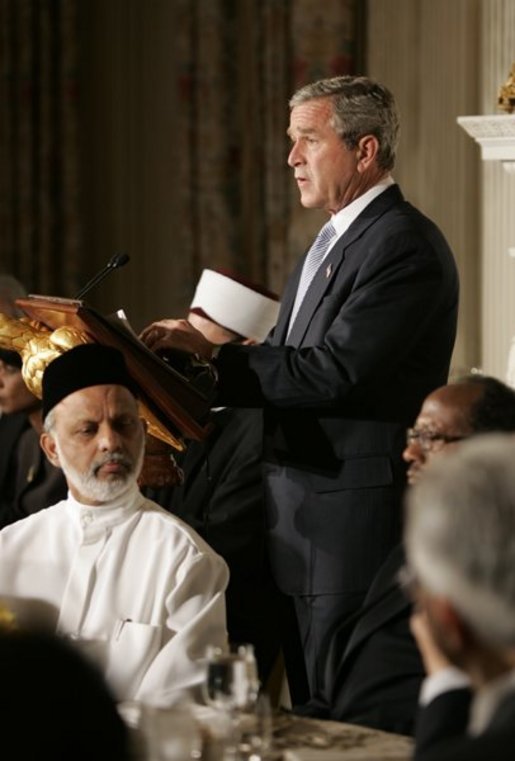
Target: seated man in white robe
137	588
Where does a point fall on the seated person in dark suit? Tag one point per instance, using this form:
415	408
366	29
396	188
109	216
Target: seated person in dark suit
28	482
222	493
54	704
375	678
460	546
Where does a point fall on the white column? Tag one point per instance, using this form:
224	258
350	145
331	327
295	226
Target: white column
498	196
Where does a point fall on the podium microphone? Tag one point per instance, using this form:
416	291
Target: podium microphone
118	260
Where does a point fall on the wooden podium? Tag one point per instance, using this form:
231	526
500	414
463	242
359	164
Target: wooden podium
180	400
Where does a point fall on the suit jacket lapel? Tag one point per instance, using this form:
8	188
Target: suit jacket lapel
390	601
287	299
198	453
330	265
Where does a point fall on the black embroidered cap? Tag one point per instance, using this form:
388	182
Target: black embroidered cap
81	367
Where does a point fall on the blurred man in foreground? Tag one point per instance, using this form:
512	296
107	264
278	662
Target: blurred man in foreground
136	588
55	703
460	545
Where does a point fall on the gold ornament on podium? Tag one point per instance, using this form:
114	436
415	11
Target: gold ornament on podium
38	346
506	98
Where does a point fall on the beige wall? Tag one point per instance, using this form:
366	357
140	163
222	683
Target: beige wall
443	59
130	161
426	51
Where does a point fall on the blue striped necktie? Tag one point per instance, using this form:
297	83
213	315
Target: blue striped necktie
314	259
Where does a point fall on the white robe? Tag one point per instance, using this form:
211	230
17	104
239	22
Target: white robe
136	587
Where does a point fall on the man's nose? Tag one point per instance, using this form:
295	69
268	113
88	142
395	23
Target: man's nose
295	156
109	439
413	452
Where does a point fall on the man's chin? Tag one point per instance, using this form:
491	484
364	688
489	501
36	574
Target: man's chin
308	202
108	489
413	475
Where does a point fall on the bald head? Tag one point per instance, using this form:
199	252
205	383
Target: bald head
477	404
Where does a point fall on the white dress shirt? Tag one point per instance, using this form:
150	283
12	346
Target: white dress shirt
343	219
137	588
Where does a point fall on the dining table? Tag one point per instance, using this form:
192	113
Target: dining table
298	738
189	732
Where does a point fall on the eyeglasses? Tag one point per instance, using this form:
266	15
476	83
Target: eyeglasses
426	440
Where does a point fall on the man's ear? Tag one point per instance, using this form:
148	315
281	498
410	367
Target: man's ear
368	147
47	443
448	620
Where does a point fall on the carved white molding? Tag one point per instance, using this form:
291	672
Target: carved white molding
495	135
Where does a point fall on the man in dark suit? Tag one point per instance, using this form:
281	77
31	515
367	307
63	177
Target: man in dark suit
28	482
460	529
365	332
374	675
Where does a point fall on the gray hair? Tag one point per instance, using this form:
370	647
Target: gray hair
460	534
361	107
49	422
10	290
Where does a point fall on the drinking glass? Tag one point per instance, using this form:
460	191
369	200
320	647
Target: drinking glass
231	680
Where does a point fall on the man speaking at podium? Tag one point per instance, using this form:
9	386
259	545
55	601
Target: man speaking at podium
365	332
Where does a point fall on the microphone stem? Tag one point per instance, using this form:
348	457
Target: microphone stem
91	284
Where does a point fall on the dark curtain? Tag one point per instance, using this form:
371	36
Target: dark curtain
39	191
240	60
235	62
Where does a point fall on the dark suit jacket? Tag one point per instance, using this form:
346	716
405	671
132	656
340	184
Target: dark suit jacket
28	482
441	731
222	499
374	677
373	337
11	427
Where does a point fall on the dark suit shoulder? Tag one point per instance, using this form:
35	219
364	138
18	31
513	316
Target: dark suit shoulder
444	719
442	736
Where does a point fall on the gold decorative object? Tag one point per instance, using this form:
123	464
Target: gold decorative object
506	99
7	618
38	346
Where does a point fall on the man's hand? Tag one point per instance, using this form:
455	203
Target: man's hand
176	334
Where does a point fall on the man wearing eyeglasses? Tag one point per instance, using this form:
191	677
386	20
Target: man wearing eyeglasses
477	404
375	678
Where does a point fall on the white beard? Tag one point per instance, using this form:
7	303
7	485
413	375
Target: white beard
90	486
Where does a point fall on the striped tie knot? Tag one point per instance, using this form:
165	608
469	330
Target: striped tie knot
314	259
